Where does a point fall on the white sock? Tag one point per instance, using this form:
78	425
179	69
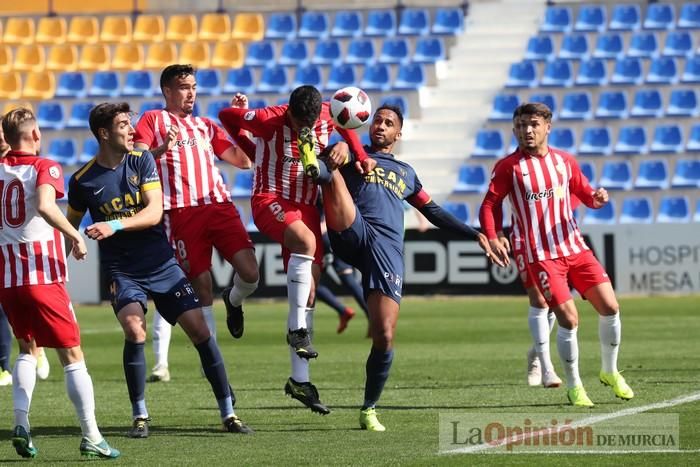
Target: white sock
567	344
539	329
80	392
211	321
162	330
23	382
240	290
610	334
300	367
310	321
552	319
299	280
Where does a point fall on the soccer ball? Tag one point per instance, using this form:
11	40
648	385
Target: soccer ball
350	107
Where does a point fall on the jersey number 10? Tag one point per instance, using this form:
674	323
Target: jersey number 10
12	208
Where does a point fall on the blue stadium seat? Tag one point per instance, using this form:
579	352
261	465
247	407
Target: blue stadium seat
547	99
647	103
643	44
63	151
293	53
314	25
376	78
260	53
72	84
683	103
414	22
691	72
90	148
576	106
563	138
636	210
399	101
364	138
459	210
448	21
380	23
616	175
240	80
689	17
347	24
556	19
667	139
687	174
308	74
631	140
242	184
208	82
104	84
660	16
540	47
489	143
281	26
663	71
574	46
258	103
360	51
409	77
693	144
652	173
327	52
429	50
79	115
49	115
140	83
522	75
150	105
216	106
591	18
273	80
472	178
595	141
673	209
557	73
592	72
678	44
588	170
340	76
604	215
394	50
503	107
609	45
628	70
625	18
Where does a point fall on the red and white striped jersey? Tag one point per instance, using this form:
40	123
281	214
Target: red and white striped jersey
539	189
187	171
31	251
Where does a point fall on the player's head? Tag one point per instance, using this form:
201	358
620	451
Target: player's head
385	128
534	122
111	125
304	107
21	131
4	147
179	87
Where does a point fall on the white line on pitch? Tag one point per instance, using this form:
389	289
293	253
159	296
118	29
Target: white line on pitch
591	420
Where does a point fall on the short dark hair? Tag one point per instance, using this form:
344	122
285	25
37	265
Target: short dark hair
394	108
533	108
13	123
305	105
172	72
102	115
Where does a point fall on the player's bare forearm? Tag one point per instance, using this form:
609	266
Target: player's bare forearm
150	215
237	157
52	214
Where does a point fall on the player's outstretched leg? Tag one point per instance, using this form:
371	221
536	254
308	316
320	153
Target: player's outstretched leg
307	394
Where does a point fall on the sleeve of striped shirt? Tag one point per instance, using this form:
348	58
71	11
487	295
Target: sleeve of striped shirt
219	142
49	172
145	131
500	186
256	121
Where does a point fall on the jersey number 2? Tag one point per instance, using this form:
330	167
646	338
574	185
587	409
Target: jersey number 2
13	211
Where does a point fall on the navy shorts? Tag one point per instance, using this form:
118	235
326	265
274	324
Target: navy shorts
378	258
170	290
338	264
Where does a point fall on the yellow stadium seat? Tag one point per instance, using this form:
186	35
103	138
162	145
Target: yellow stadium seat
24	7
215	27
80	7
51	30
181	28
83	30
229	54
30	58
116	29
62	57
15	105
248	27
196	54
149	28
19	31
160	55
94	57
128	57
39	86
6	60
10	85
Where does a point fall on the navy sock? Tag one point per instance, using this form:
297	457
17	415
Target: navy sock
324	294
324	174
378	366
135	373
213	365
5	343
355	289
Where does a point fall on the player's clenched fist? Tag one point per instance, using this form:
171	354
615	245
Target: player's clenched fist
239	101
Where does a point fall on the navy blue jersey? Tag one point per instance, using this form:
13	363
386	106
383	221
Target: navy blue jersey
111	194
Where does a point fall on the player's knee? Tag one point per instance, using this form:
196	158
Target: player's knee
609	308
249	273
135	334
382	339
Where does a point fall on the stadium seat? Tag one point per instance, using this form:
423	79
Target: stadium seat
150	105
149	29
215	27
340	76
472	178
616	175
687	174
592	72
662	71
72	84
652	174
647	103
49	115
397	100
63	151
79	115
636	210
576	106
216	106
659	16
62	57
689	16
414	22
242	184
239	80
683	103
631	140
503	107
595	141
563	138
248	27
140	83
540	47
228	54
90	148
609	45
104	84
522	75
51	30
327	52
429	50
380	23
643	44
30	58
95	57
448	21
181	28
489	143
625	18
376	78
314	25
258	103
556	19
347	23
691	72
409	77
574	46
160	55
693	144
588	170
604	215
673	209
394	50
308	74
678	44
6	58
208	82
116	29
591	18
83	30
273	80
628	71
546	99
281	26
360	51
293	53
195	53
667	139
557	73
18	31
260	54
40	85
459	210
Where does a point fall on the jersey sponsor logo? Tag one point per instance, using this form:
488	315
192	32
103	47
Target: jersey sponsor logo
556	192
249	115
54	172
388	179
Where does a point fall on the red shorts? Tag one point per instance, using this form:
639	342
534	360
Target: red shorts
197	230
553	277
520	257
42	312
272	215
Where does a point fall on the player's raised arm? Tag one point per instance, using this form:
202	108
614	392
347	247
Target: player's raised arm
52	214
